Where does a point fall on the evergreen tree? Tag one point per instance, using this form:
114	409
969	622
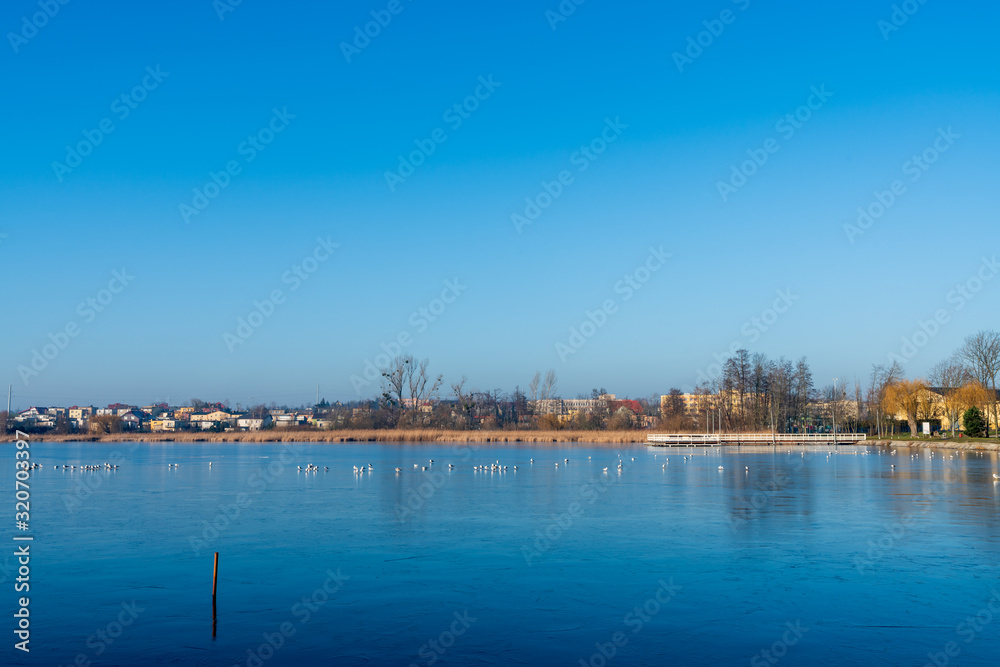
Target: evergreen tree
975	425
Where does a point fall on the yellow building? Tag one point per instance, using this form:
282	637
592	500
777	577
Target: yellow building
162	425
693	403
934	407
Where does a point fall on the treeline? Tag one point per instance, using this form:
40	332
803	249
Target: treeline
412	398
752	393
961	389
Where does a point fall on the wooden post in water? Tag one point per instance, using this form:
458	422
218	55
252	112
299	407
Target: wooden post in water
215	585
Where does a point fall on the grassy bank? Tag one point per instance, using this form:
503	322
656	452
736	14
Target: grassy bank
967	444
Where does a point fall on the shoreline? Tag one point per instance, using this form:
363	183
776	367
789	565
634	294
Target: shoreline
943	444
334	437
418	436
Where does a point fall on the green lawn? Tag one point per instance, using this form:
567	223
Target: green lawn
926	438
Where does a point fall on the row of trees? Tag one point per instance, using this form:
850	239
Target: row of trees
752	393
965	381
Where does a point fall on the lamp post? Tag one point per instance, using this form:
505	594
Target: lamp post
835	380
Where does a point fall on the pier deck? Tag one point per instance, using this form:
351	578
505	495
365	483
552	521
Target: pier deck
720	439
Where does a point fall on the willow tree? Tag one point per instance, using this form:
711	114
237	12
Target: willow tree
907	397
973	395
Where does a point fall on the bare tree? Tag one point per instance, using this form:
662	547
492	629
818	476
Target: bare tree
981	353
533	387
947	379
394	379
417	382
548	389
881	378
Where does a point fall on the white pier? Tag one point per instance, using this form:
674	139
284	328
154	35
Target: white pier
720	439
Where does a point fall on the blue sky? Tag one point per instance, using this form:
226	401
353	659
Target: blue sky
888	94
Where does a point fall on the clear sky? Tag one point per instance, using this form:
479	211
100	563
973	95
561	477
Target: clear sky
621	122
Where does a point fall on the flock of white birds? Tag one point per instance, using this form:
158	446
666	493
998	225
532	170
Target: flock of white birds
497	467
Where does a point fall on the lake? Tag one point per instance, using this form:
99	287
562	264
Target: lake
752	556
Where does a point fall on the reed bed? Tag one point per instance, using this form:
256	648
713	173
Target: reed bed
380	435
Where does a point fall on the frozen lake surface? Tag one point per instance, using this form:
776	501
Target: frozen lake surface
795	556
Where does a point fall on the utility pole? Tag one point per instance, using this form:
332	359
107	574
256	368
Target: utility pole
317	393
9	387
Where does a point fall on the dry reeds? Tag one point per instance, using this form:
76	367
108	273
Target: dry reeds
373	435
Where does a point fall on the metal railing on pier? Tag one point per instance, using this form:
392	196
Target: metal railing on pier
718	439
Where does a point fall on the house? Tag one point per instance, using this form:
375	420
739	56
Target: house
133	420
115	409
36	417
635	407
200	420
31	414
214	416
934	407
78	412
292	419
163	424
251	422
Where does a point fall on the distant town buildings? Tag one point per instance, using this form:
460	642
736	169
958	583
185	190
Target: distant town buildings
156	418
